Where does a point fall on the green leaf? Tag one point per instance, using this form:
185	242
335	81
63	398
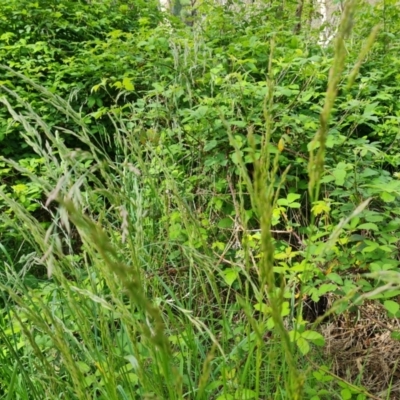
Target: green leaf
127	84
131	378
201	112
340	173
282	202
225	223
303	345
292	197
325	288
270	323
387	197
368	226
372	247
283	91
230	275
285	309
83	367
210	145
391	306
395	335
314	337
237	157
333	276
346	394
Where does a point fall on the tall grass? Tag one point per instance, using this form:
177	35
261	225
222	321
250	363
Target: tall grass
127	312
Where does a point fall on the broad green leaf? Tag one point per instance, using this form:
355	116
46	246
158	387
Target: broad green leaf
320	207
210	145
89	380
201	112
285	309
131	378
333	276
127	84
225	223
346	394
391	306
291	197
387	197
83	367
372	247
340	173
325	288
283	91
236	158
282	202
293	335
368	226
303	345
314	337
230	275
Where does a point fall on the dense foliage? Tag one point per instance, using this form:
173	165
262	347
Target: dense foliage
187	239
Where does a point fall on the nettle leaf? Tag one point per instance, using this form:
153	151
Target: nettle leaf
369	226
282	91
210	145
340	173
346	394
392	306
335	278
387	197
225	223
83	367
303	345
326	288
200	112
371	246
127	84
230	275
334	139
291	197
237	157
314	337
320	207
293	335
285	309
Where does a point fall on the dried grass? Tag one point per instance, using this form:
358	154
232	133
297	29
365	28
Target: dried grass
362	350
